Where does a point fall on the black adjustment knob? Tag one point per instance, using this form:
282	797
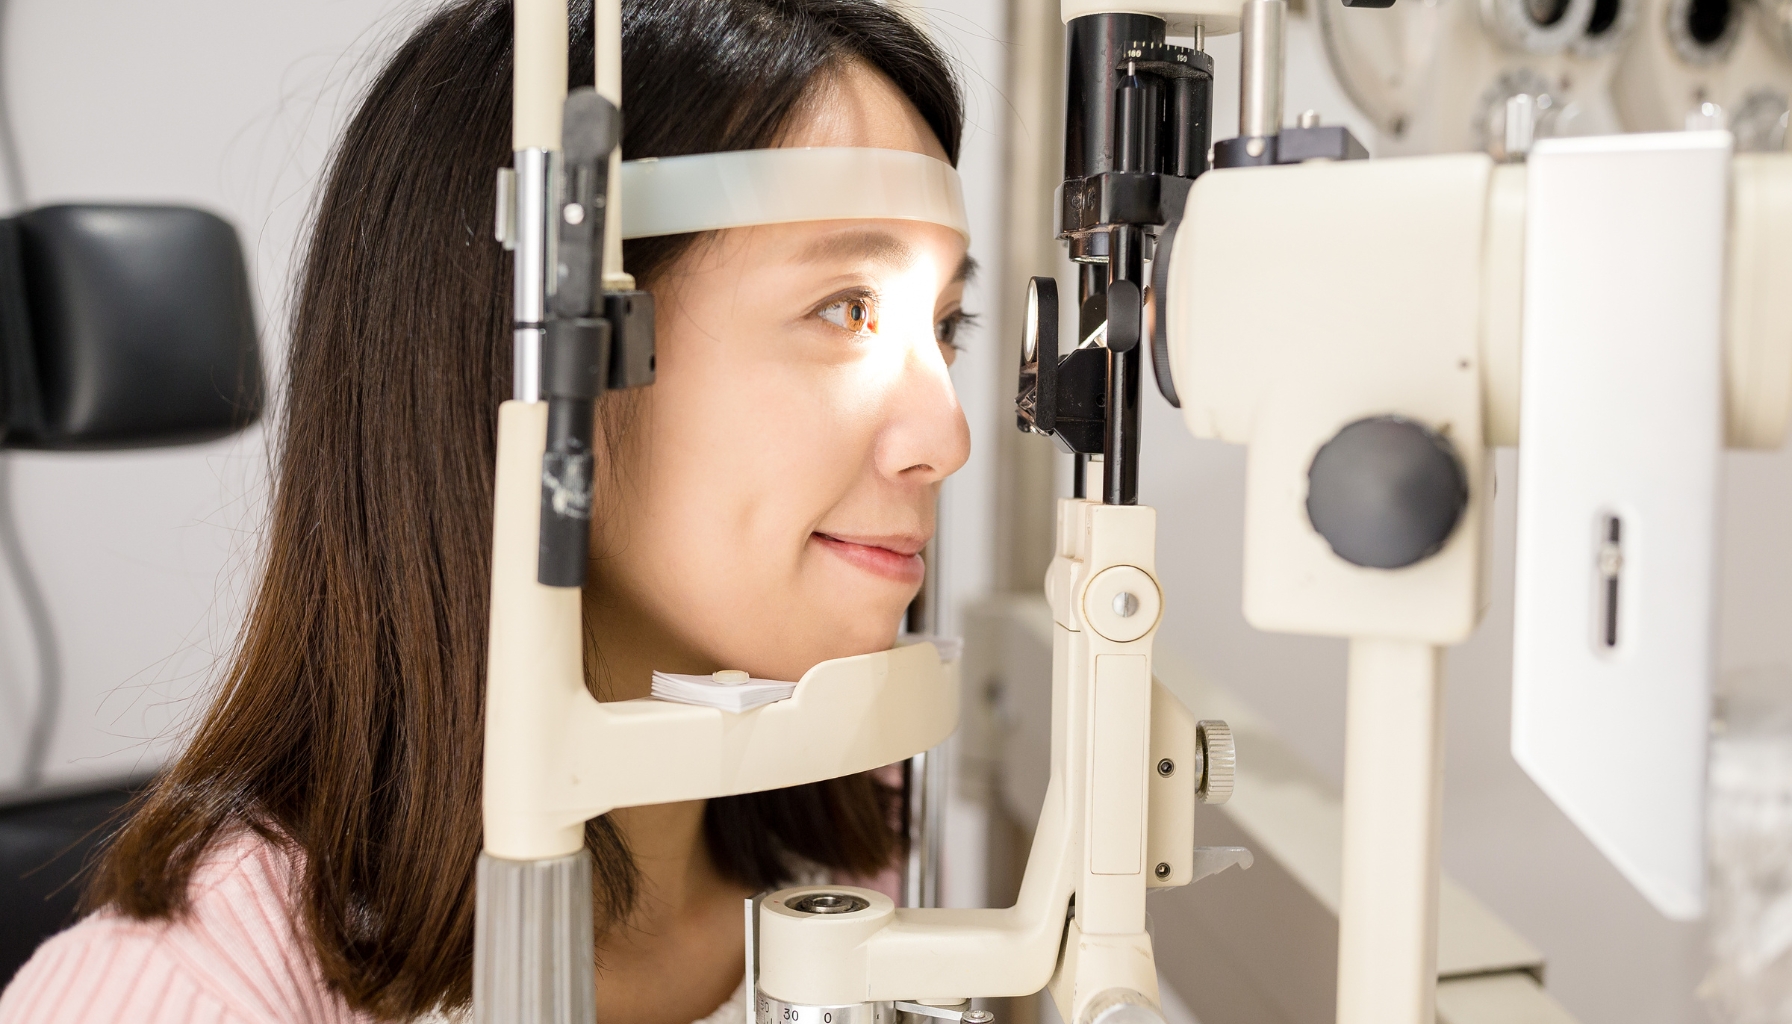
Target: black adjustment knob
1386	492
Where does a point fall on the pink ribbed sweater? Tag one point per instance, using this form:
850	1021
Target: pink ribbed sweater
238	958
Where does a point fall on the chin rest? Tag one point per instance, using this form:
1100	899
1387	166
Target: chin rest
124	327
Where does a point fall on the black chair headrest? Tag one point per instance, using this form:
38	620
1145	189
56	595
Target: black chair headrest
124	327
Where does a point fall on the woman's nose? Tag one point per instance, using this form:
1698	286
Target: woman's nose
925	437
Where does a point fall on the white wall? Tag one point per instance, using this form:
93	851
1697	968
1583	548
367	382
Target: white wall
225	104
973	35
971	32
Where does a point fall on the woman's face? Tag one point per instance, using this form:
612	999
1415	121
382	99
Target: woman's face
783	481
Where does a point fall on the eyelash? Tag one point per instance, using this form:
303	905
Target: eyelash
948	328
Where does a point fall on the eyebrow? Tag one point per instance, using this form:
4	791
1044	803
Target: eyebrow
967	270
878	247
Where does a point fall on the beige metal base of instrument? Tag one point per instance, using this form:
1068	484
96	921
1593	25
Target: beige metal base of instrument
1259	946
1114	823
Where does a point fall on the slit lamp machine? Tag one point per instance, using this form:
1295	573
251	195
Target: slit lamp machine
1368	329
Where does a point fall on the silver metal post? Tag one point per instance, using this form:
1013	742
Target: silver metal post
915	875
924	776
1260	50
924	782
537	175
1521	127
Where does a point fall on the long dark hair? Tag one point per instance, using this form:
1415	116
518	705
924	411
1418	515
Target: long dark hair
350	720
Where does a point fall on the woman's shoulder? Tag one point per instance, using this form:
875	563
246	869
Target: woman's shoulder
237	957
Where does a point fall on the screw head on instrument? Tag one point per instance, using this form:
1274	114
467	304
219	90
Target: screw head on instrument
1122	603
1163	869
1166	767
574	213
978	1017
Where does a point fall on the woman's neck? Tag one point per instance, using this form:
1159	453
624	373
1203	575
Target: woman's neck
667	845
681	951
680	954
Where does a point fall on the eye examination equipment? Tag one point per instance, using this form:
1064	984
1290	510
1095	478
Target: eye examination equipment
1367	328
1437	77
1529	292
555	757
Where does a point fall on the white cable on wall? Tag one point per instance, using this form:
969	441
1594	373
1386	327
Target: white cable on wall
43	637
9	150
12	549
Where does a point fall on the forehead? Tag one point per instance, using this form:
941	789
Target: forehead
857	105
887	245
877	247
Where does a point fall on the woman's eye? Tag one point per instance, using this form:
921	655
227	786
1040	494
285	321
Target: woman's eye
948	328
858	315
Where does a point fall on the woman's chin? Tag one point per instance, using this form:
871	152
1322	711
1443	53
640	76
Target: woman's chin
846	638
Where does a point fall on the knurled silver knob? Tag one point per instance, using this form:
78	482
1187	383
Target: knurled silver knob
1220	760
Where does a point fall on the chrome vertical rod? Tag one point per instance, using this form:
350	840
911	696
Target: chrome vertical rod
924	775
1260	50
924	789
537	173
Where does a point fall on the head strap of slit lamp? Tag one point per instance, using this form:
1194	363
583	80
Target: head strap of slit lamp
711	191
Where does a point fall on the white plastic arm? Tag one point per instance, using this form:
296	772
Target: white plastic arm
540	85
1093	838
886	953
607	24
555	757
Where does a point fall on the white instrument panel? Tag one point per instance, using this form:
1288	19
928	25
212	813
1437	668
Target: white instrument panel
1622	420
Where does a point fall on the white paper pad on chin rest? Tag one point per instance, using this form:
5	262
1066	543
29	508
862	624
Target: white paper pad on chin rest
709	191
704	691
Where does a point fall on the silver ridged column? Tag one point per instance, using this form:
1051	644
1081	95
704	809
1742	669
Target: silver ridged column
533	955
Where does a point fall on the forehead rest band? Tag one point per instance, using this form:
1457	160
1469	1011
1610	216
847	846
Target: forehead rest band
710	191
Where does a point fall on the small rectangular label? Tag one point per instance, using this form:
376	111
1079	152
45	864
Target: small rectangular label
1119	734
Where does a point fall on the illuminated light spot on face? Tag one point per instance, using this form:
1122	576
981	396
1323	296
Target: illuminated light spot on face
894	314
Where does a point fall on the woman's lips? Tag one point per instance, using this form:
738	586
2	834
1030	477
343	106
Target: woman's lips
893	558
